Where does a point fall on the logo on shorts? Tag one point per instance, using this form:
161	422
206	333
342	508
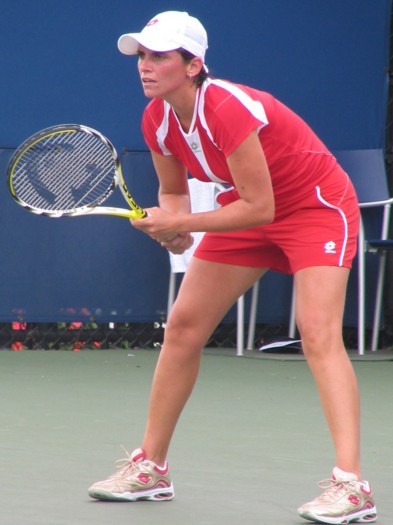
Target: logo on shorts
330	247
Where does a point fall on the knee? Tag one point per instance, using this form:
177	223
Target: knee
320	338
182	329
179	322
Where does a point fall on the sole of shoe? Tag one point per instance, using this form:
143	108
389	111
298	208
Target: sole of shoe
148	495
363	516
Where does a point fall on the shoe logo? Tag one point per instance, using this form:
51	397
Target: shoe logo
144	478
355	500
330	247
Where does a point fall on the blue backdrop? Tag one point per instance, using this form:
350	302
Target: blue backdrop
59	63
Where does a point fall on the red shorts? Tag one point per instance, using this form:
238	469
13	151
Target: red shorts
320	230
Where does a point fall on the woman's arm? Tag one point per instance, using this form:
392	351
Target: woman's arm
173	193
252	179
174	198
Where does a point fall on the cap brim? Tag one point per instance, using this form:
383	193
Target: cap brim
128	44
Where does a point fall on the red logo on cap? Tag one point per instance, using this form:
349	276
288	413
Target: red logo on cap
152	22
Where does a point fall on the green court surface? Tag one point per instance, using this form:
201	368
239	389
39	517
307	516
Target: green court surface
250	446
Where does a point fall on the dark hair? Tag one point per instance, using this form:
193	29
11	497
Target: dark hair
202	75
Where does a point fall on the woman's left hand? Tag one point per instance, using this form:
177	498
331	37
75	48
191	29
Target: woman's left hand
160	225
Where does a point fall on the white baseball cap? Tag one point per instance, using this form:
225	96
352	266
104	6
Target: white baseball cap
168	31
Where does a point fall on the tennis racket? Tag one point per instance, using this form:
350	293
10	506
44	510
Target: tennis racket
68	171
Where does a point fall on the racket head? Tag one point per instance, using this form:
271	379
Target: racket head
66	170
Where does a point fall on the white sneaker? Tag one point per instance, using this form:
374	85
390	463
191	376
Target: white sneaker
136	478
346	499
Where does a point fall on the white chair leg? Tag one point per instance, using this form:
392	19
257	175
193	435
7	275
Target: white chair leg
240	326
292	320
378	301
380	280
361	290
171	292
253	316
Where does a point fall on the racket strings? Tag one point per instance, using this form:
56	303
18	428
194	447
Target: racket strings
64	171
50	174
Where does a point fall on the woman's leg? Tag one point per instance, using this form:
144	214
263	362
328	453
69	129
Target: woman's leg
208	290
320	299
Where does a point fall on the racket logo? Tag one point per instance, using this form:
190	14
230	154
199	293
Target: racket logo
133	204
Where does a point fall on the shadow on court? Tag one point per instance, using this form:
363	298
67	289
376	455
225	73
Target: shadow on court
250	446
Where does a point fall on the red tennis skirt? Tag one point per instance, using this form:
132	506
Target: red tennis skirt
320	230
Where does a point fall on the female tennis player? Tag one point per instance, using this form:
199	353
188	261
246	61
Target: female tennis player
289	207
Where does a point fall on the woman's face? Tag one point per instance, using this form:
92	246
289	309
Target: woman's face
163	74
